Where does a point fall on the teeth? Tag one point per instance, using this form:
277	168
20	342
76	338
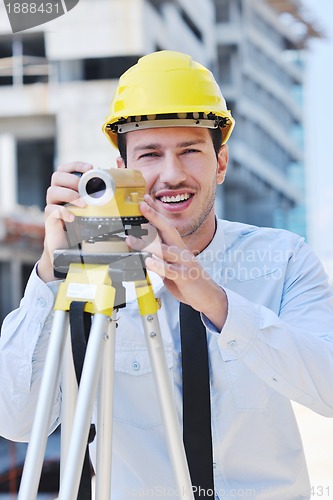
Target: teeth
175	199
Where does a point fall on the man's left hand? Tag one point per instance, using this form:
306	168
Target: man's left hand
182	274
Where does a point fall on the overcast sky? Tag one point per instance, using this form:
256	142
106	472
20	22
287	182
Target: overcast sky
319	131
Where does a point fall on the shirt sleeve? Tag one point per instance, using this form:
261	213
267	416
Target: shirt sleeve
291	351
23	345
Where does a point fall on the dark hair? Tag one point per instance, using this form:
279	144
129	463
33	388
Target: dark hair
122	147
215	134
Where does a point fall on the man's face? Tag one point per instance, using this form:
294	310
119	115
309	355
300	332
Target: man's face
181	171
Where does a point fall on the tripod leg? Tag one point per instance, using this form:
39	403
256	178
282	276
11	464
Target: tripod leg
69	396
36	449
105	415
167	406
85	401
148	306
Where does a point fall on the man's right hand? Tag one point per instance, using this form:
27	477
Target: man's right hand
63	190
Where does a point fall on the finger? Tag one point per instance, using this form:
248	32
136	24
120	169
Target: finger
166	253
75	166
173	272
162	268
55	229
59	195
149	200
143	244
55	213
66	179
168	233
65	176
173	254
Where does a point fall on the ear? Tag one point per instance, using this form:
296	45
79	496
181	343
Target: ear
120	162
222	164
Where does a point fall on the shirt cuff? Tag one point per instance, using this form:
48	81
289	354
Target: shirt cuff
40	294
241	327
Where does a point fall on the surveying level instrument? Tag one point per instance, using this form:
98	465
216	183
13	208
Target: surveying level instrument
94	269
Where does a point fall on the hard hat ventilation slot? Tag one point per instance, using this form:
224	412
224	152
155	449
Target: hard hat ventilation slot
196	119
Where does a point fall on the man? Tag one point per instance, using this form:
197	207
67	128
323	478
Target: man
262	295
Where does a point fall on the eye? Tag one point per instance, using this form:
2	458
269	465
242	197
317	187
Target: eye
191	151
151	154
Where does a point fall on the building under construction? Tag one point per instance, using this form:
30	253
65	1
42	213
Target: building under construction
56	83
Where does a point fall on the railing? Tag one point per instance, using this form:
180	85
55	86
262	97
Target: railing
24	69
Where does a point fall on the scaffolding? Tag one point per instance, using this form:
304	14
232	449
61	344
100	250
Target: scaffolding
298	12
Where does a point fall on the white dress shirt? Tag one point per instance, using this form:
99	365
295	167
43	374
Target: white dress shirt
276	346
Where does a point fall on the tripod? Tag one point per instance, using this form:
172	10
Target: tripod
97	280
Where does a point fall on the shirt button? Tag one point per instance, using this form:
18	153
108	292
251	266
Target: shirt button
42	302
232	343
214	465
136	365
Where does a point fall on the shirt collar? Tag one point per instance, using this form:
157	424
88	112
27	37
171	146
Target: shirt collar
212	256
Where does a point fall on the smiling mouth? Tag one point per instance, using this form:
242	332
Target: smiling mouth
179	198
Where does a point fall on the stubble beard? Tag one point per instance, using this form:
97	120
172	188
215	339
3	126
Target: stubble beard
197	221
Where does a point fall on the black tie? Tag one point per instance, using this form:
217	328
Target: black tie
197	435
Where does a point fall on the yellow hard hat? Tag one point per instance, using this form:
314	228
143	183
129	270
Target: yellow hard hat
166	89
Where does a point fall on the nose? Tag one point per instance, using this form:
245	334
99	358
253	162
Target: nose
173	172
